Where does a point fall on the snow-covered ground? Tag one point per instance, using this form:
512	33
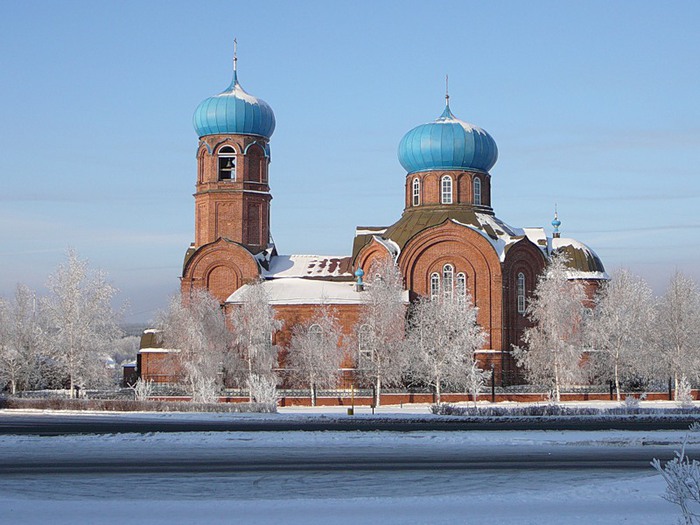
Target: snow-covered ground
416	496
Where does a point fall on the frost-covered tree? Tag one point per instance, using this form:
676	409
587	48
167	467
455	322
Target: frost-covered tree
21	361
678	330
80	322
619	326
381	329
125	349
314	357
442	338
682	477
28	338
9	357
196	329
254	325
142	389
476	378
553	348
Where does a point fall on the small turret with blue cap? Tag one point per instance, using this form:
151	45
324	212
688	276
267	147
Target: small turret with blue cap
359	285
556	223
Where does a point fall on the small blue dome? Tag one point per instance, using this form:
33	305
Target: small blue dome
234	112
448	143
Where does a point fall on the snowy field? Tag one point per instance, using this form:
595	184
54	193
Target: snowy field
537	495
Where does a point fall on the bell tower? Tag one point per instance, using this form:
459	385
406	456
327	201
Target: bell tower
232	194
232	198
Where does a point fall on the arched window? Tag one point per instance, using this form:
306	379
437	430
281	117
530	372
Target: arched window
227	163
477	191
448	272
416	191
521	293
434	287
364	343
315	333
254	163
446	190
461	287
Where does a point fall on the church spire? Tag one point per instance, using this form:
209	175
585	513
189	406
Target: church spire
447	91
235	61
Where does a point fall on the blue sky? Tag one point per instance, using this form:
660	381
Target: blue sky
594	106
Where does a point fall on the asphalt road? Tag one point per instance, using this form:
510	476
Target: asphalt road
230	459
59	424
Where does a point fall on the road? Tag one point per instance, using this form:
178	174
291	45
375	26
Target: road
201	460
109	423
354	477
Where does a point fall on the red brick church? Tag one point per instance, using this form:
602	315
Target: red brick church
447	241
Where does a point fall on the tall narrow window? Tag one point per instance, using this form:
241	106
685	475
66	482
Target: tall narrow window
434	287
448	272
364	343
446	190
227	163
521	293
253	224
461	287
200	166
477	191
416	192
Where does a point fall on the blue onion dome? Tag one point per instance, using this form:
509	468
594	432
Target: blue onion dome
447	144
556	222
234	112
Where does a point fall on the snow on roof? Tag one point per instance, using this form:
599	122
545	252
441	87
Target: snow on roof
390	245
370	230
583	263
501	235
293	290
314	266
563	242
157	350
537	236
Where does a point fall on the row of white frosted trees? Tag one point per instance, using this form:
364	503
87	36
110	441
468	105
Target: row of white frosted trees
623	335
63	339
435	347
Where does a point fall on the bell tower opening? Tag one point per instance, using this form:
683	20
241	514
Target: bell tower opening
227	164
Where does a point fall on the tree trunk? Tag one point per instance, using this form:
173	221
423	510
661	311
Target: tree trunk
557	394
617	383
676	380
438	392
313	394
250	377
378	392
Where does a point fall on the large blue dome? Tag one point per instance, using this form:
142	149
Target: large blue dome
448	143
234	112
